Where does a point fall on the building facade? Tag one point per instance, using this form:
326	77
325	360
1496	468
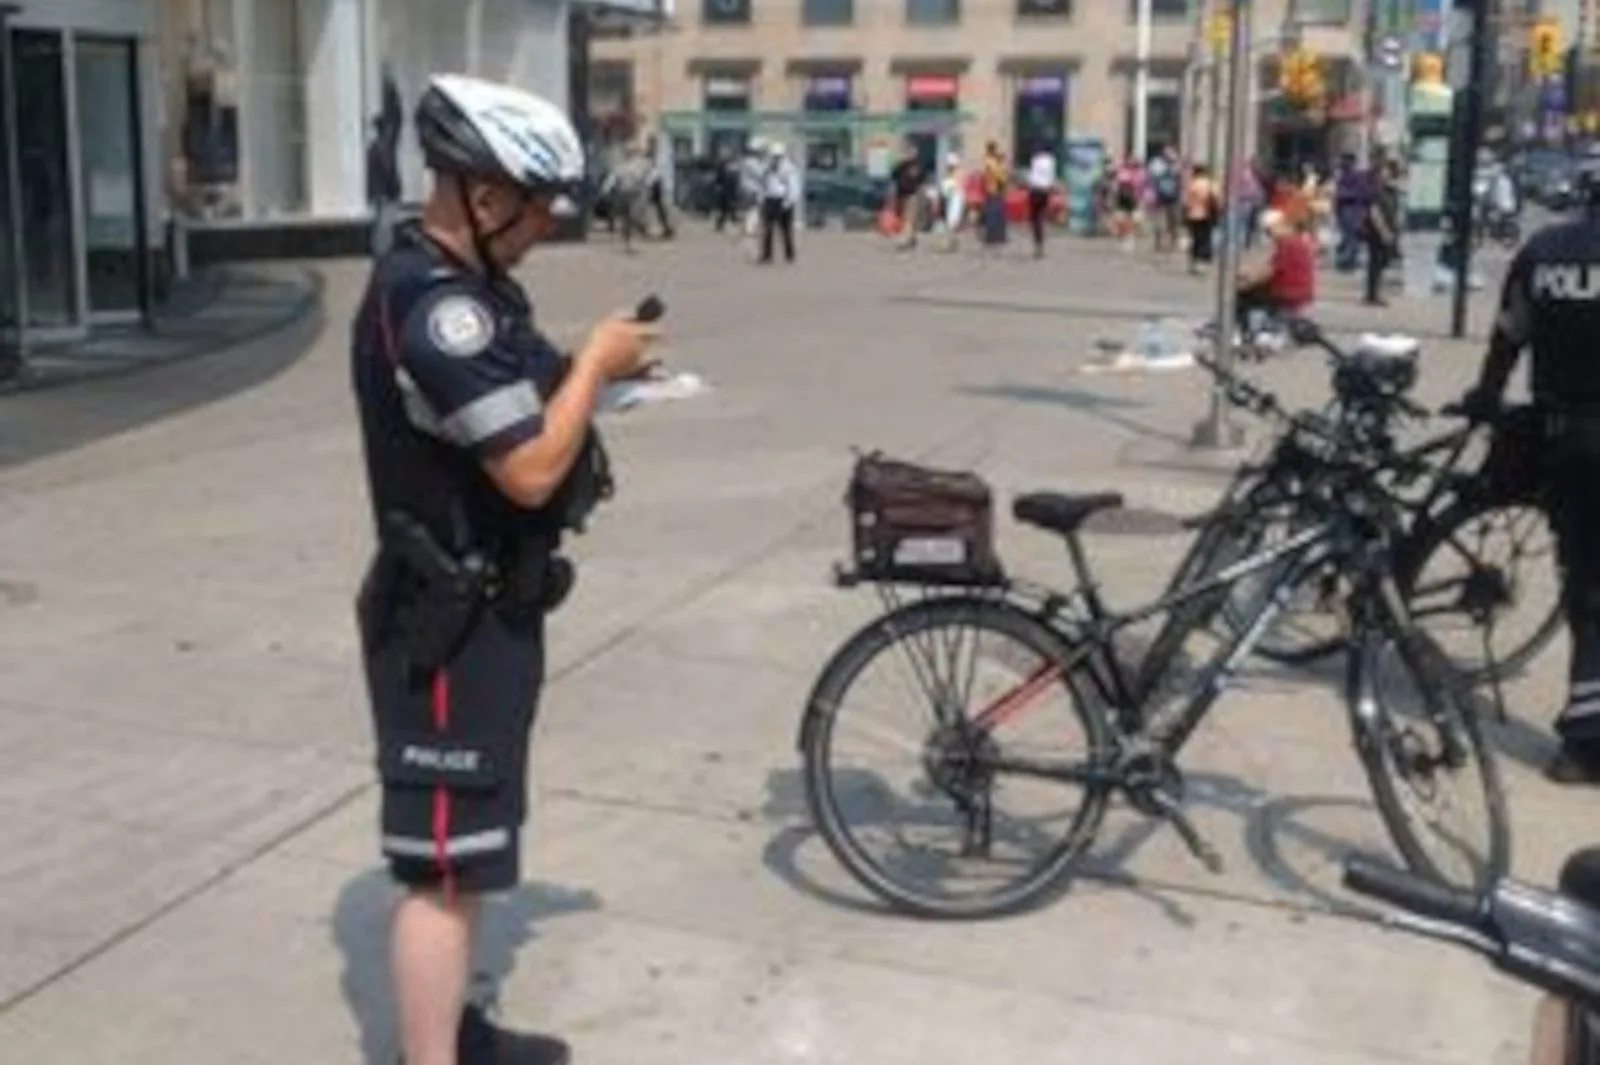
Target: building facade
286	90
1021	71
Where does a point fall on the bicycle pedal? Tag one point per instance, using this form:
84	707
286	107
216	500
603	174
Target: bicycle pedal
1205	852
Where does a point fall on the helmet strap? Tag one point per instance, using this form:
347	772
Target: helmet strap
481	239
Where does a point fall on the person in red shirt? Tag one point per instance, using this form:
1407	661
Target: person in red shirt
1283	281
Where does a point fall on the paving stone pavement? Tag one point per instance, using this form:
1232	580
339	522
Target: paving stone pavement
188	873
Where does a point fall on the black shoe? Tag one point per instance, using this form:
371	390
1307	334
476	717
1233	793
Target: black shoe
1570	766
479	1042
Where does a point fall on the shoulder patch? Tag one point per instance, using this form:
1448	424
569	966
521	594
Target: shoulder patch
461	326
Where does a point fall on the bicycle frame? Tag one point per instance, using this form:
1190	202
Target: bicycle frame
1092	632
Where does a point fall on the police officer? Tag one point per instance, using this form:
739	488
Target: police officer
478	449
1551	304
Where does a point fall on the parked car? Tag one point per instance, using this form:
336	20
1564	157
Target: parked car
848	195
1553	183
1528	167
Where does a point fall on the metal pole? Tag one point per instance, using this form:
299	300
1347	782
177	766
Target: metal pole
1462	166
1217	431
1214	131
1141	82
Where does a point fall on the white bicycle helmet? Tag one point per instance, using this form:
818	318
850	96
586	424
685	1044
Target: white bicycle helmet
478	128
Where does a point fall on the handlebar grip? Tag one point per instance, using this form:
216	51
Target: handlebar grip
650	309
1411	893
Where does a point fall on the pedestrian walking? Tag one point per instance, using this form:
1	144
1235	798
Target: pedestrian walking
1042	181
1202	208
383	181
953	200
906	181
656	190
1166	189
727	189
780	195
1381	234
995	181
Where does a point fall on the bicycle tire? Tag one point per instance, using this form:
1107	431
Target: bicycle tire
1234	540
1374	730
1435	532
881	636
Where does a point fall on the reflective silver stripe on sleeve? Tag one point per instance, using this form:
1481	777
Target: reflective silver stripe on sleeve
1589	707
1586	687
492	413
486	842
419	412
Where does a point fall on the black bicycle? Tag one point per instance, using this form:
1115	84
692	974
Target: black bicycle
1476	562
968	748
1546	939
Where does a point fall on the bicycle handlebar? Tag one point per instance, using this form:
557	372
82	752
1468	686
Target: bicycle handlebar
1256	400
1413	894
1534	935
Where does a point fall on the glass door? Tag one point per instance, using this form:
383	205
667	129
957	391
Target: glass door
11	294
50	269
106	79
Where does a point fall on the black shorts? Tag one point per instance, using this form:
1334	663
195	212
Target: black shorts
453	758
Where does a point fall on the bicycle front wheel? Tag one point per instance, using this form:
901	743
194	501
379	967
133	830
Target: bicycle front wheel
1483	579
952	763
1433	779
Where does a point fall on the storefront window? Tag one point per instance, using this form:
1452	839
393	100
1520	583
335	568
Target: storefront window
1040	115
10	248
827	148
727	96
108	130
1321	12
274	115
1163	119
50	267
930	93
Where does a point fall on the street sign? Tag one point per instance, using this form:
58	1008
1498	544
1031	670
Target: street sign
1391	53
1219	27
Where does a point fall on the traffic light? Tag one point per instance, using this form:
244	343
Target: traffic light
1300	78
1544	48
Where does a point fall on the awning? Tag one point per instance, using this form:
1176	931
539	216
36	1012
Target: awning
648	8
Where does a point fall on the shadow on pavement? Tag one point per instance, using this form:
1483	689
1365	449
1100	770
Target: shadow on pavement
361	932
1268	822
34	424
1091	403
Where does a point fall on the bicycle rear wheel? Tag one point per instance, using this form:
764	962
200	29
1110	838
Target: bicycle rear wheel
1423	751
1483	578
941	845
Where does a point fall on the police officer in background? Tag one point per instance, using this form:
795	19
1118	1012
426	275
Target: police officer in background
479	454
1551	304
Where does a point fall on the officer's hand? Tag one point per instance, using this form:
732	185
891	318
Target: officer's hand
617	347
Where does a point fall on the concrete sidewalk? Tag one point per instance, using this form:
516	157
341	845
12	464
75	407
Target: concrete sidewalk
188	873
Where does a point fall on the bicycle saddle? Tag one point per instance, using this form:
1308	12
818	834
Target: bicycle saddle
1580	877
1060	512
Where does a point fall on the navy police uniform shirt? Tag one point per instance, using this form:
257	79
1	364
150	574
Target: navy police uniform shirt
448	371
1551	304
